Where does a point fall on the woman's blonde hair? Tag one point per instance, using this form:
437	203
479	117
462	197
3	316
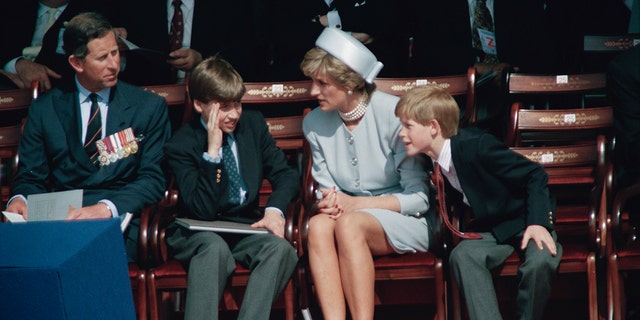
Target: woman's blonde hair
423	104
318	61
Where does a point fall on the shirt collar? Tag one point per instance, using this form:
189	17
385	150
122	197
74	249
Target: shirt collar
84	93
444	158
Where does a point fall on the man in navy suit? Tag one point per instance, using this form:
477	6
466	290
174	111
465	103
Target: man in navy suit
228	28
122	173
205	173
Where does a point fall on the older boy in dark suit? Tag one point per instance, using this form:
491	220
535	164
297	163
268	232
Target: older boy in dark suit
220	160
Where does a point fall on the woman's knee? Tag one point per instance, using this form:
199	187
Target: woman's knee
321	229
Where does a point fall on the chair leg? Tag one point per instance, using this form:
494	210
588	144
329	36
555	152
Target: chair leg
288	301
614	290
591	280
441	292
152	298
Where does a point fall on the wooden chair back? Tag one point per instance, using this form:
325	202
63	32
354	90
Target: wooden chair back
461	87
598	50
557	90
9	141
528	127
177	98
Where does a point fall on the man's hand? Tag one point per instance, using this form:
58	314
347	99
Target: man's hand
271	221
96	211
365	38
541	237
29	71
18	206
184	59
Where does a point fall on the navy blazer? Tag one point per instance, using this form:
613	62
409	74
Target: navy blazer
206	195
506	191
218	27
52	156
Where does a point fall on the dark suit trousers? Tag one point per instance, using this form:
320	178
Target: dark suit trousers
471	262
211	259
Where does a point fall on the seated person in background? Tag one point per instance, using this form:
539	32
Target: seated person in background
187	31
31	37
63	144
374	197
220	160
623	79
509	197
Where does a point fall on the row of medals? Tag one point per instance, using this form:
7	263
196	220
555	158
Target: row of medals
117	146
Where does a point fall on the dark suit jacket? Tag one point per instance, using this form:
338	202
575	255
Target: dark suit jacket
204	196
623	81
294	32
18	25
52	157
224	27
506	191
441	35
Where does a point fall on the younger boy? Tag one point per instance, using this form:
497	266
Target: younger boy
509	197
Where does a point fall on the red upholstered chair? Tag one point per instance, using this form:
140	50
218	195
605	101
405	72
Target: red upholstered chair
167	279
14	105
576	180
623	250
395	275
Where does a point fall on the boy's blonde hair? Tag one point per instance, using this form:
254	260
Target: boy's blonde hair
423	104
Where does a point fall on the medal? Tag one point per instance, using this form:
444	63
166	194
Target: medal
122	137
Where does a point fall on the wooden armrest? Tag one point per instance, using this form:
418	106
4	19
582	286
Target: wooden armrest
162	217
143	234
620	212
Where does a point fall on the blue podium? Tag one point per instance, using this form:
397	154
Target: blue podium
64	270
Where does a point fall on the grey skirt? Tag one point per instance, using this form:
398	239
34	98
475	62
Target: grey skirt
404	233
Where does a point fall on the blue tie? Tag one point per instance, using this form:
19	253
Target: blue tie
235	180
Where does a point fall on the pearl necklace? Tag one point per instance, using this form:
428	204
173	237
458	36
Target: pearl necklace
357	112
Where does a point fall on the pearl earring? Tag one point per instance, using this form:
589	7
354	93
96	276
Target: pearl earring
349	92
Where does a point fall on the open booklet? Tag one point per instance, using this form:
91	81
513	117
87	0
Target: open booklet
219	226
55	206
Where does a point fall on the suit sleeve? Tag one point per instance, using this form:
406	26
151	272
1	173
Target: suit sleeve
284	179
519	173
33	168
202	191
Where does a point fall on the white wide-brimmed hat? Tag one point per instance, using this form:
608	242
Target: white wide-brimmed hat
351	52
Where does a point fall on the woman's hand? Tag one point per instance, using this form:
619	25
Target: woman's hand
329	203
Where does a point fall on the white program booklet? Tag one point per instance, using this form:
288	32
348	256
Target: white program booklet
53	205
219	226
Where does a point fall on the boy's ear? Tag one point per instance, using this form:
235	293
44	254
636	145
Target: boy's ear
197	105
435	127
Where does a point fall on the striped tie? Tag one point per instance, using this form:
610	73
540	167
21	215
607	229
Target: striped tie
94	127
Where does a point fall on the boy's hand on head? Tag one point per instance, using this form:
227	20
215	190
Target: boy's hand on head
214	133
541	237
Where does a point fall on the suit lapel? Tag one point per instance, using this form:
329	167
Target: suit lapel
119	114
247	154
67	108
